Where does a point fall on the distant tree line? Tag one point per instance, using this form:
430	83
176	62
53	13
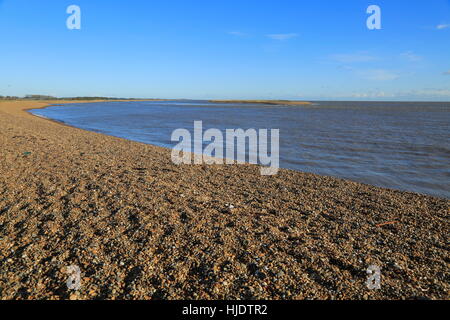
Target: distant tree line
8	98
93	98
46	97
38	97
28	97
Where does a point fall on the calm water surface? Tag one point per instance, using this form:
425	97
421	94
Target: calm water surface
403	146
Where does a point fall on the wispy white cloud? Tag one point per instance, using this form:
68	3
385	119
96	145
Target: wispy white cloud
379	75
432	93
443	26
353	57
371	95
238	33
411	56
447	73
357	64
416	94
282	36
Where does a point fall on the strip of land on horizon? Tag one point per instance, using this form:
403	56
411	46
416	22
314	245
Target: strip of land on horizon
273	102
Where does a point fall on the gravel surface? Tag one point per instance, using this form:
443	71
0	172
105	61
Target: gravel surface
139	227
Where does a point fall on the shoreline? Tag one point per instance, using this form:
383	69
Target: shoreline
68	102
140	227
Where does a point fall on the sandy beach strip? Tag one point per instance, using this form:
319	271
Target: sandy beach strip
140	227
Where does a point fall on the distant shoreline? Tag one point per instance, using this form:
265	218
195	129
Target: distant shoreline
272	102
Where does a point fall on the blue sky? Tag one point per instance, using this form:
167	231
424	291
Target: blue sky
227	49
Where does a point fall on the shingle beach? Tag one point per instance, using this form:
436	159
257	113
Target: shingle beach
140	227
